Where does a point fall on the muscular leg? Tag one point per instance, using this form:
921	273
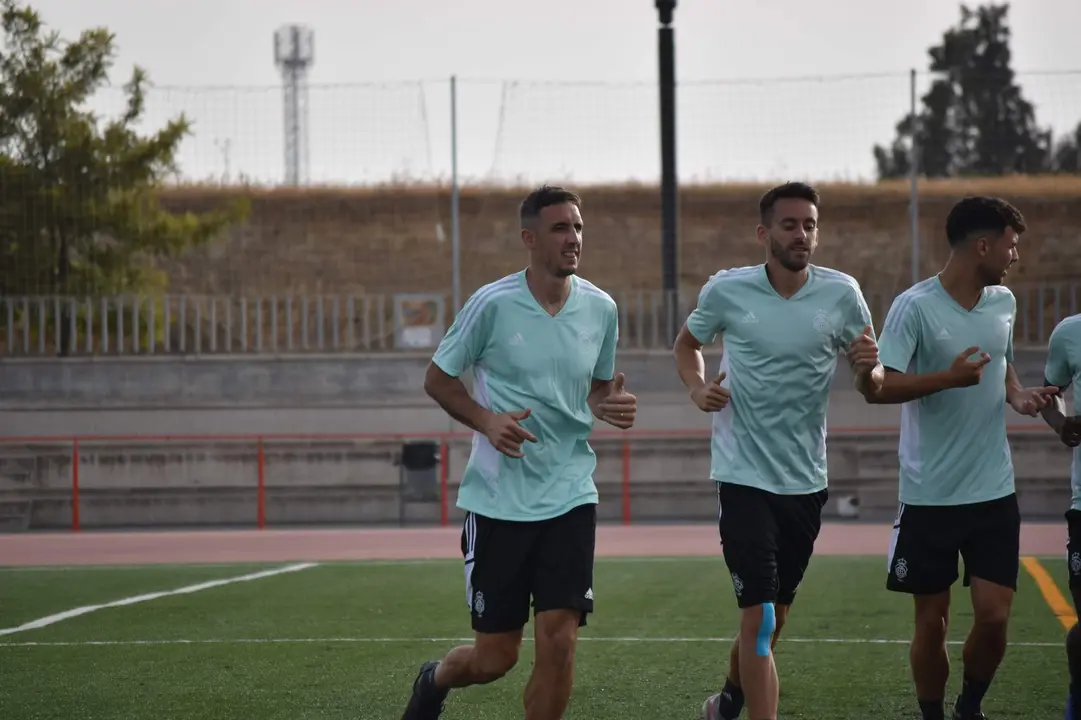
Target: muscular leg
802	520
549	688
562	599
985	645
490	657
731	700
1073	637
496	555
927	655
748	526
991	553
1073	659
781	612
757	668
922	563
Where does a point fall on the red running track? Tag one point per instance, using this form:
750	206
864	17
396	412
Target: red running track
235	546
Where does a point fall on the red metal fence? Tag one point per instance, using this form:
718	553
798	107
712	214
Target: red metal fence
260	440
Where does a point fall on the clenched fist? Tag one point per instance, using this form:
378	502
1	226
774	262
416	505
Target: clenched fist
863	352
619	407
711	397
506	435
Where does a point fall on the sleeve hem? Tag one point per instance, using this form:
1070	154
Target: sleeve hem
1061	386
696	336
442	365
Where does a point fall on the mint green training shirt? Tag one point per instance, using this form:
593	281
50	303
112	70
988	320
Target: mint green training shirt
953	448
523	357
1063	369
780	355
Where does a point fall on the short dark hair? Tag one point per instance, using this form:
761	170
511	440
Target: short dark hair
541	198
979	215
796	190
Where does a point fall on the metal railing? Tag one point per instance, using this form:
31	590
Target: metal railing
66	473
208	325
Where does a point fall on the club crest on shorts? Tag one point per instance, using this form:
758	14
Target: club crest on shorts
737	583
1075	563
478	603
900	569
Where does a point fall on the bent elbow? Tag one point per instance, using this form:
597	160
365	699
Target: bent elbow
431	382
678	345
685	343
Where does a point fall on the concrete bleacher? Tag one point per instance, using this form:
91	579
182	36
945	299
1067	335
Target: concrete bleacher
151	480
150	484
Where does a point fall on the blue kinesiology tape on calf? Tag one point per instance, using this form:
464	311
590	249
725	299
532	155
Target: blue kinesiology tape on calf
765	629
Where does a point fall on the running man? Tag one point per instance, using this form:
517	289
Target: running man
1063	369
783	324
542	346
947	346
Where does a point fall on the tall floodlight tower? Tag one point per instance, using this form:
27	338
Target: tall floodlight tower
294	53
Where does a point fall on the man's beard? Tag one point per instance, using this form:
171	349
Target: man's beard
989	277
786	259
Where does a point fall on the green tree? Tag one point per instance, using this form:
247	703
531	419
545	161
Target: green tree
79	212
1067	155
974	119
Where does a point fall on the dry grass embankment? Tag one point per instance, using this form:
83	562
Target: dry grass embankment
397	239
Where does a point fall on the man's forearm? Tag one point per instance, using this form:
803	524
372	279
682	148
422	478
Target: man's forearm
597	393
453	397
869	382
691	366
1054	413
898	387
1013	383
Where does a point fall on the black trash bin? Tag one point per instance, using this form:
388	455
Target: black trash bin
419	473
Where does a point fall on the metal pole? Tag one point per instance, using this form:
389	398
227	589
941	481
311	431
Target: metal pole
669	195
913	179
455	232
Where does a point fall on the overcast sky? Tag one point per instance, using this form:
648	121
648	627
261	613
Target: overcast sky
554	91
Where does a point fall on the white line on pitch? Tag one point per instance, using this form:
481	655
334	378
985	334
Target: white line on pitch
406	562
400	640
50	619
355	563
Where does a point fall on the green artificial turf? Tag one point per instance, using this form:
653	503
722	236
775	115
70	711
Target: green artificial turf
345	640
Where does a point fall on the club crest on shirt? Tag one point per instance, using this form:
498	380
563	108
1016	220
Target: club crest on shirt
825	322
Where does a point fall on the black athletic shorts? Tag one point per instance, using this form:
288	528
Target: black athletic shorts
507	563
927	541
768	540
1073	555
